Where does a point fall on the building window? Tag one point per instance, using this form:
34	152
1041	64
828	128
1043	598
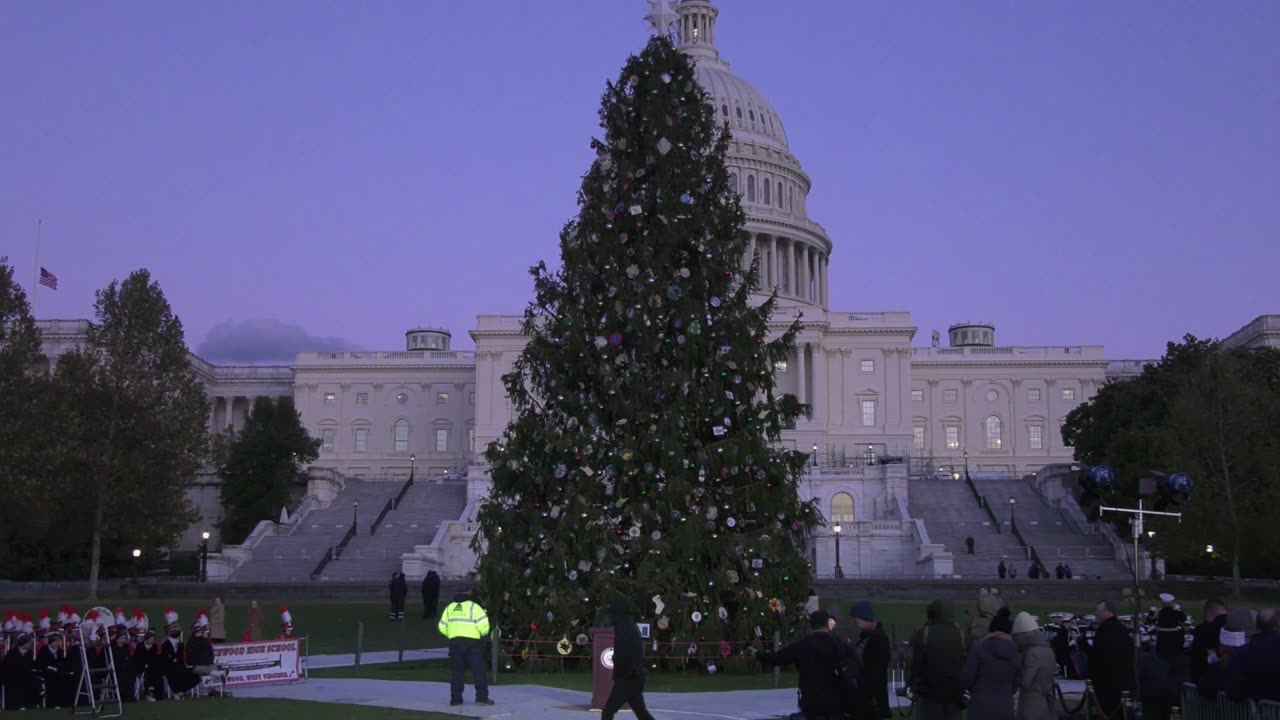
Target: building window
765	187
442	439
1036	433
326	440
993	432
401	435
950	395
917	396
751	188
362	440
724	109
362	398
1033	395
780	366
992	395
1069	395
953	437
442	398
738	111
330	398
733	181
779	194
868	366
472	399
868	413
751	114
917	437
402	398
841	508
471	440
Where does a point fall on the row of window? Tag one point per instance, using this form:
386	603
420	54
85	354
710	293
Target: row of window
767	195
952	395
362	398
399	438
866	366
993	430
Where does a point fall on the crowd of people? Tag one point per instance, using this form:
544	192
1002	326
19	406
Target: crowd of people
44	666
1006	665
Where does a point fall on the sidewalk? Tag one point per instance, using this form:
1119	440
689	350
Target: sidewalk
316	662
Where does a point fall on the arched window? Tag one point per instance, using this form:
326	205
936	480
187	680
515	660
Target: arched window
766	186
791	198
401	435
841	508
724	109
752	113
993	432
751	188
779	194
739	112
733	181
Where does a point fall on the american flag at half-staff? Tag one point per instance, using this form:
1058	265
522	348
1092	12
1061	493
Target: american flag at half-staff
48	279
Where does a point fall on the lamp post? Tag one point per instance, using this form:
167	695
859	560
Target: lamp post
839	570
413	460
355	513
1013	502
137	555
815	455
204	556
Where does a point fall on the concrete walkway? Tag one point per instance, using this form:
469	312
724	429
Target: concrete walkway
316	662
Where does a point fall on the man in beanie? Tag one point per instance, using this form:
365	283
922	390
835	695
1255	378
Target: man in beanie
822	661
466	624
872	647
628	663
937	658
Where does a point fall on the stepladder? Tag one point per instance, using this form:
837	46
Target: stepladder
98	693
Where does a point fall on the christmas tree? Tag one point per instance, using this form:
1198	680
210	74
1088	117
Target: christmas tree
643	458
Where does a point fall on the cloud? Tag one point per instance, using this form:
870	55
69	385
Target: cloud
264	340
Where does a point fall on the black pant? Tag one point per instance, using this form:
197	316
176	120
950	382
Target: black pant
626	691
467	653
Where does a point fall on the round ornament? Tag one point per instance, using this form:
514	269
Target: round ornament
564	647
666	77
582	639
696	616
731	522
561	471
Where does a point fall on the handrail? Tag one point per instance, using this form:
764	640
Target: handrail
404	490
982	502
1035	556
373	528
333	552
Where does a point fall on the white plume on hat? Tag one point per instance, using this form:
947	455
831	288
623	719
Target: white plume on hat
170	616
119	618
202	620
285	617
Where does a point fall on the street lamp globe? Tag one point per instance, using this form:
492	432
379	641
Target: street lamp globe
204	535
137	553
1208	549
836	529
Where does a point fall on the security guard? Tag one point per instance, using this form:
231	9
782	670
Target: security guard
466	624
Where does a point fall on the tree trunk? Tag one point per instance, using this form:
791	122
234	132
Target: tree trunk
1235	572
95	546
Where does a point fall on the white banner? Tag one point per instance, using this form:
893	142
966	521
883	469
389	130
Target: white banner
269	662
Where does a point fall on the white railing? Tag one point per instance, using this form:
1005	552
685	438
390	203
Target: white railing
370	356
1071	352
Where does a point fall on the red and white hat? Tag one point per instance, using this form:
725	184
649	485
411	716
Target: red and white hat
202	621
138	623
286	620
10	621
73	619
62	617
170	618
119	619
91	622
28	627
44	625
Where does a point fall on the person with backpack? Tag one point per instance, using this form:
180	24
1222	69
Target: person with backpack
937	659
991	672
873	649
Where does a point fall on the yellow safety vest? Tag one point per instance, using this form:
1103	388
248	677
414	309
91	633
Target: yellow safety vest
464	620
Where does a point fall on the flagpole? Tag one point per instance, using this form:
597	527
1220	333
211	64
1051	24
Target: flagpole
35	287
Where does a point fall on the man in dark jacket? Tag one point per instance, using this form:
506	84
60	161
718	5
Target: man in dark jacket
1111	659
937	659
628	663
872	648
817	657
430	595
1205	637
1254	672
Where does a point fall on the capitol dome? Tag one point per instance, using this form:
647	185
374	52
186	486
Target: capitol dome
791	249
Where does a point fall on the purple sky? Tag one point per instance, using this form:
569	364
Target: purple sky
1099	172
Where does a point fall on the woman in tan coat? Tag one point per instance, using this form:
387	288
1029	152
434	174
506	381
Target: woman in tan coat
218	622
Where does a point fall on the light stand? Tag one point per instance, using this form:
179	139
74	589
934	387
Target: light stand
815	456
1139	515
204	556
839	570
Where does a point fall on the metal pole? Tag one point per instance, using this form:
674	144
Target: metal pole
777	671
400	642
495	639
359	642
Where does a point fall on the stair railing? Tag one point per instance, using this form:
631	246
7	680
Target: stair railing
391	504
334	551
982	502
404	490
1035	556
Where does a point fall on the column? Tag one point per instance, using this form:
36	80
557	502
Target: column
811	265
820	384
822	274
751	250
228	413
800	373
794	252
213	415
777	262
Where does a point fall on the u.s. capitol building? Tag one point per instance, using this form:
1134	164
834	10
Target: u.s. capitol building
877	387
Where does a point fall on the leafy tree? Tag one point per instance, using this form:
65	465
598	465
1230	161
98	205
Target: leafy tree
643	460
19	336
261	465
137	433
1206	411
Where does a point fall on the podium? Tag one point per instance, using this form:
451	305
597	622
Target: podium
601	666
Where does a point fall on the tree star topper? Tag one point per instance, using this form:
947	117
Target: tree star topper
662	17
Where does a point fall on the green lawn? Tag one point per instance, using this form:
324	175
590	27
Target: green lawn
674	682
207	709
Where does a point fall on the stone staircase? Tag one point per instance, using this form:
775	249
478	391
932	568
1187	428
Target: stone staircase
425	507
291	558
950	515
1046	528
